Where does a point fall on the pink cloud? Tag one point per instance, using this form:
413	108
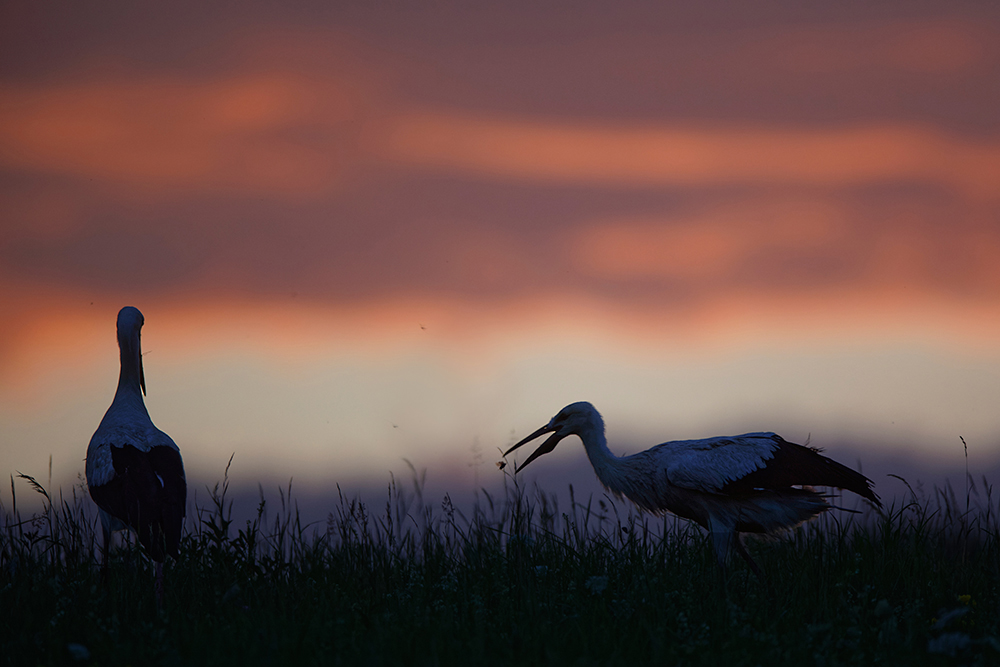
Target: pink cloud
935	47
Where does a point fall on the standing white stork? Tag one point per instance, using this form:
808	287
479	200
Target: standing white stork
134	470
727	485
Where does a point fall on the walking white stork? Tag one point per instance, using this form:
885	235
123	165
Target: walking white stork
134	470
751	483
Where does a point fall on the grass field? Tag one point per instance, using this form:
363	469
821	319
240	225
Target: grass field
518	581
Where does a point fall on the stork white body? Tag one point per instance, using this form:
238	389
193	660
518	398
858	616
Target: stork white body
134	470
755	482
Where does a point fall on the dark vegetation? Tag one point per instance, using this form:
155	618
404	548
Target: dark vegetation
517	581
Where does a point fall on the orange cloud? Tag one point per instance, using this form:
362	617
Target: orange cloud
56	338
299	126
244	133
645	157
712	244
821	245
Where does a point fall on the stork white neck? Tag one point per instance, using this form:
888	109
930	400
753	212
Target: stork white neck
131	380
131	360
591	433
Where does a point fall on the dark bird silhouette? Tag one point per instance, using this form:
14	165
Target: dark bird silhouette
134	470
750	483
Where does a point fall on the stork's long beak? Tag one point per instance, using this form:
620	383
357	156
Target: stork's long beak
138	353
546	447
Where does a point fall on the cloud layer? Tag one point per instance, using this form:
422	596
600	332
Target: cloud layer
492	187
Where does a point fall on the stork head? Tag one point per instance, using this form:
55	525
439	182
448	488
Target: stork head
130	322
574	419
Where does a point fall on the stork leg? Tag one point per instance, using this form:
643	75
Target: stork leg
105	553
722	538
742	551
158	585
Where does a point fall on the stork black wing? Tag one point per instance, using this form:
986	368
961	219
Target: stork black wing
148	493
796	465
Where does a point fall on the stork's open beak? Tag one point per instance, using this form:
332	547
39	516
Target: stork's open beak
546	447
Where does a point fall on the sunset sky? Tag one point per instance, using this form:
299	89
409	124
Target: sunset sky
362	231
